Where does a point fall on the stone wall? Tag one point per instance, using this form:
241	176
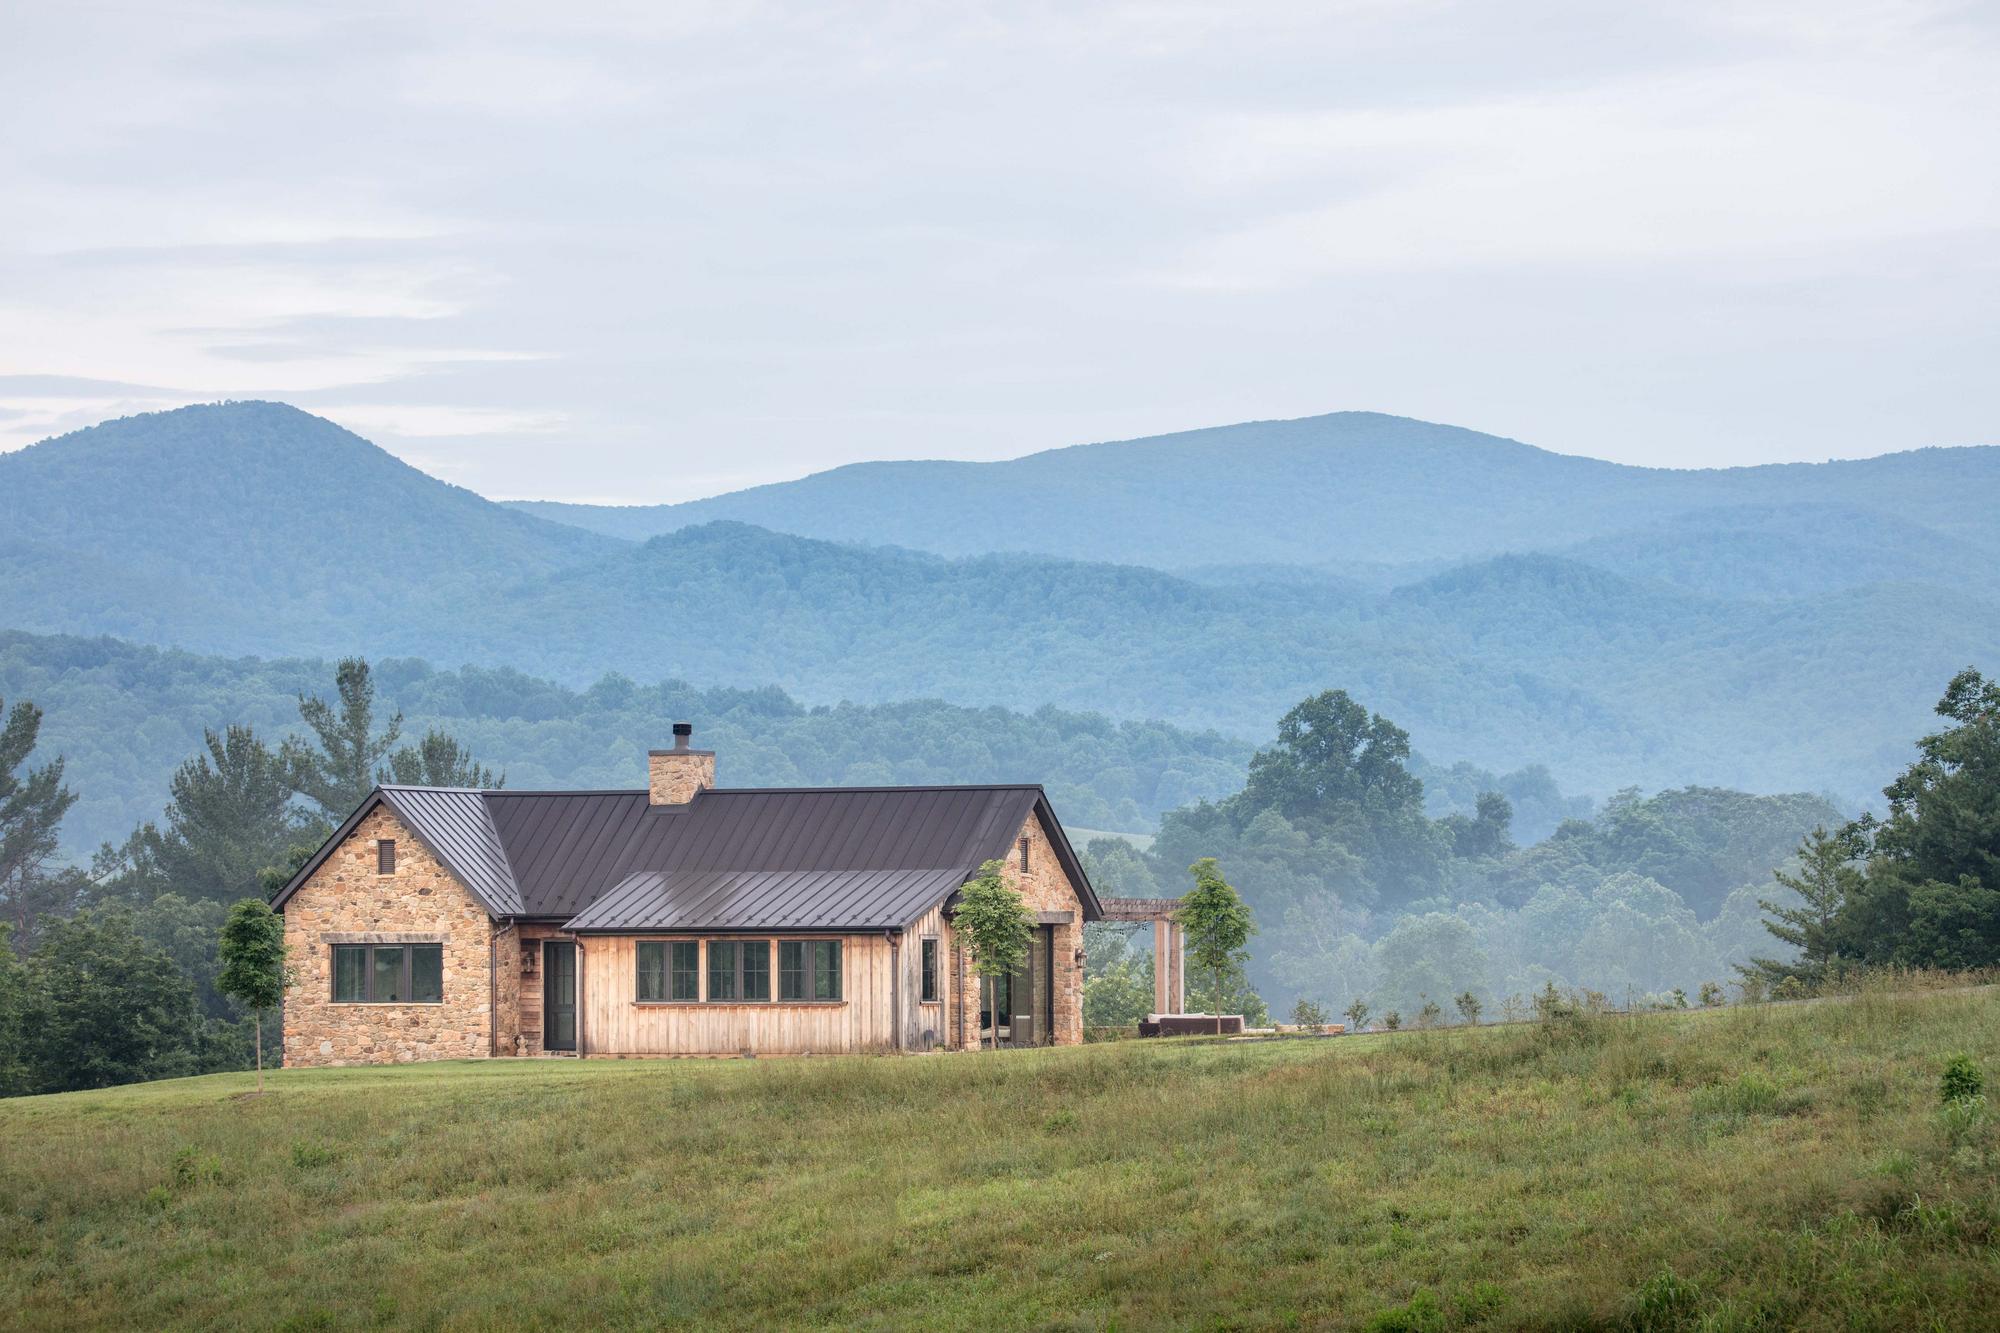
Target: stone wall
1044	888
344	902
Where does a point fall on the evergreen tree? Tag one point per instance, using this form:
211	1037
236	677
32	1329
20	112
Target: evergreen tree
339	772
438	760
1931	894
1826	879
230	815
32	804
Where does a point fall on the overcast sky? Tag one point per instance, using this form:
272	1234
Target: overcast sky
652	251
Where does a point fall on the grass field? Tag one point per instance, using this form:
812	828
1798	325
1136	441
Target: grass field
1767	1167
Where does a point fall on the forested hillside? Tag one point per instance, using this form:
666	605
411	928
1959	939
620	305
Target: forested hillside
124	716
253	528
1346	487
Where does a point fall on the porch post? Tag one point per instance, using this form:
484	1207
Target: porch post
1163	966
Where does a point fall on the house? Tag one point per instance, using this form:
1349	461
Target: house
684	919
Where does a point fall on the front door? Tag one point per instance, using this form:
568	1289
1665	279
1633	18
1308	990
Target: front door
1029	993
558	995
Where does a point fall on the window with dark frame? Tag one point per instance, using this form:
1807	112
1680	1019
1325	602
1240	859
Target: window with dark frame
652	983
388	973
721	970
684	970
929	993
1024	856
809	969
385	856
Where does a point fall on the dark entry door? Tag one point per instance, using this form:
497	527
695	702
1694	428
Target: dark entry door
1030	993
558	995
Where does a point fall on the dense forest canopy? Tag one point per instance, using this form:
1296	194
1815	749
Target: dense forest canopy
1622	659
125	716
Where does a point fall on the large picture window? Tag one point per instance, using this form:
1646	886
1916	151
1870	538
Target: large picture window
388	973
809	970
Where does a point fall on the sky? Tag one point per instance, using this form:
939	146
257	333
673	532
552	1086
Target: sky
647	252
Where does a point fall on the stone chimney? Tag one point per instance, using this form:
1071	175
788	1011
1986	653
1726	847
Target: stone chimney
674	776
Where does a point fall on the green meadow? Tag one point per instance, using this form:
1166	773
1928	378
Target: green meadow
1771	1166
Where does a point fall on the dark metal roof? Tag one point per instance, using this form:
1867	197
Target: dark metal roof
453	822
666	900
799	858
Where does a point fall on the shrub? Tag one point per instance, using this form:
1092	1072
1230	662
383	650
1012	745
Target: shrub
1420	1314
1392	1020
1711	994
1962	1080
1428	1016
1468	1007
1310	1015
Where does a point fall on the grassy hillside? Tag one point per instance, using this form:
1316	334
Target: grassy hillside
1348	486
1778	1166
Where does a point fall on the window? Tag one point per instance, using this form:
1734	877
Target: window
1024	856
721	970
385	856
929	993
388	973
652	970
684	977
809	970
757	969
826	969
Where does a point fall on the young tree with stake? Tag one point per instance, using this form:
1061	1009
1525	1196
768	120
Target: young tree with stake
253	964
996	928
1218	927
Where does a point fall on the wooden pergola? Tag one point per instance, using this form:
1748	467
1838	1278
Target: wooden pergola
1169	946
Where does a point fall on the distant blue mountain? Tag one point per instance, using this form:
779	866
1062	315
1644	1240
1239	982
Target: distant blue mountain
1349	487
1773	646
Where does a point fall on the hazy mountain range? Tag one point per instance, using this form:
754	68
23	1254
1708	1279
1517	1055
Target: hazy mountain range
1772	628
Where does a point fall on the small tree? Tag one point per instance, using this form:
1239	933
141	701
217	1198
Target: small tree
1309	1014
1711	994
1468	1007
253	964
1392	1020
1428	1016
996	927
1218	926
1357	1014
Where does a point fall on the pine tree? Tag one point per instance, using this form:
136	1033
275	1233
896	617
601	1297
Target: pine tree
1827	878
340	772
438	760
33	802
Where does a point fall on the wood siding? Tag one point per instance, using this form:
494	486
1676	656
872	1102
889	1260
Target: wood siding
614	1024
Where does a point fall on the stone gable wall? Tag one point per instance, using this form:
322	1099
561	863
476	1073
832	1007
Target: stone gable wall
346	897
1044	888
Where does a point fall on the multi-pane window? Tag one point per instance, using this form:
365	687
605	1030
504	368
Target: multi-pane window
809	970
388	973
668	970
1024	856
652	970
929	946
756	976
722	969
385	856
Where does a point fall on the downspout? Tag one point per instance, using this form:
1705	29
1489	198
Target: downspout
493	991
582	1046
895	938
